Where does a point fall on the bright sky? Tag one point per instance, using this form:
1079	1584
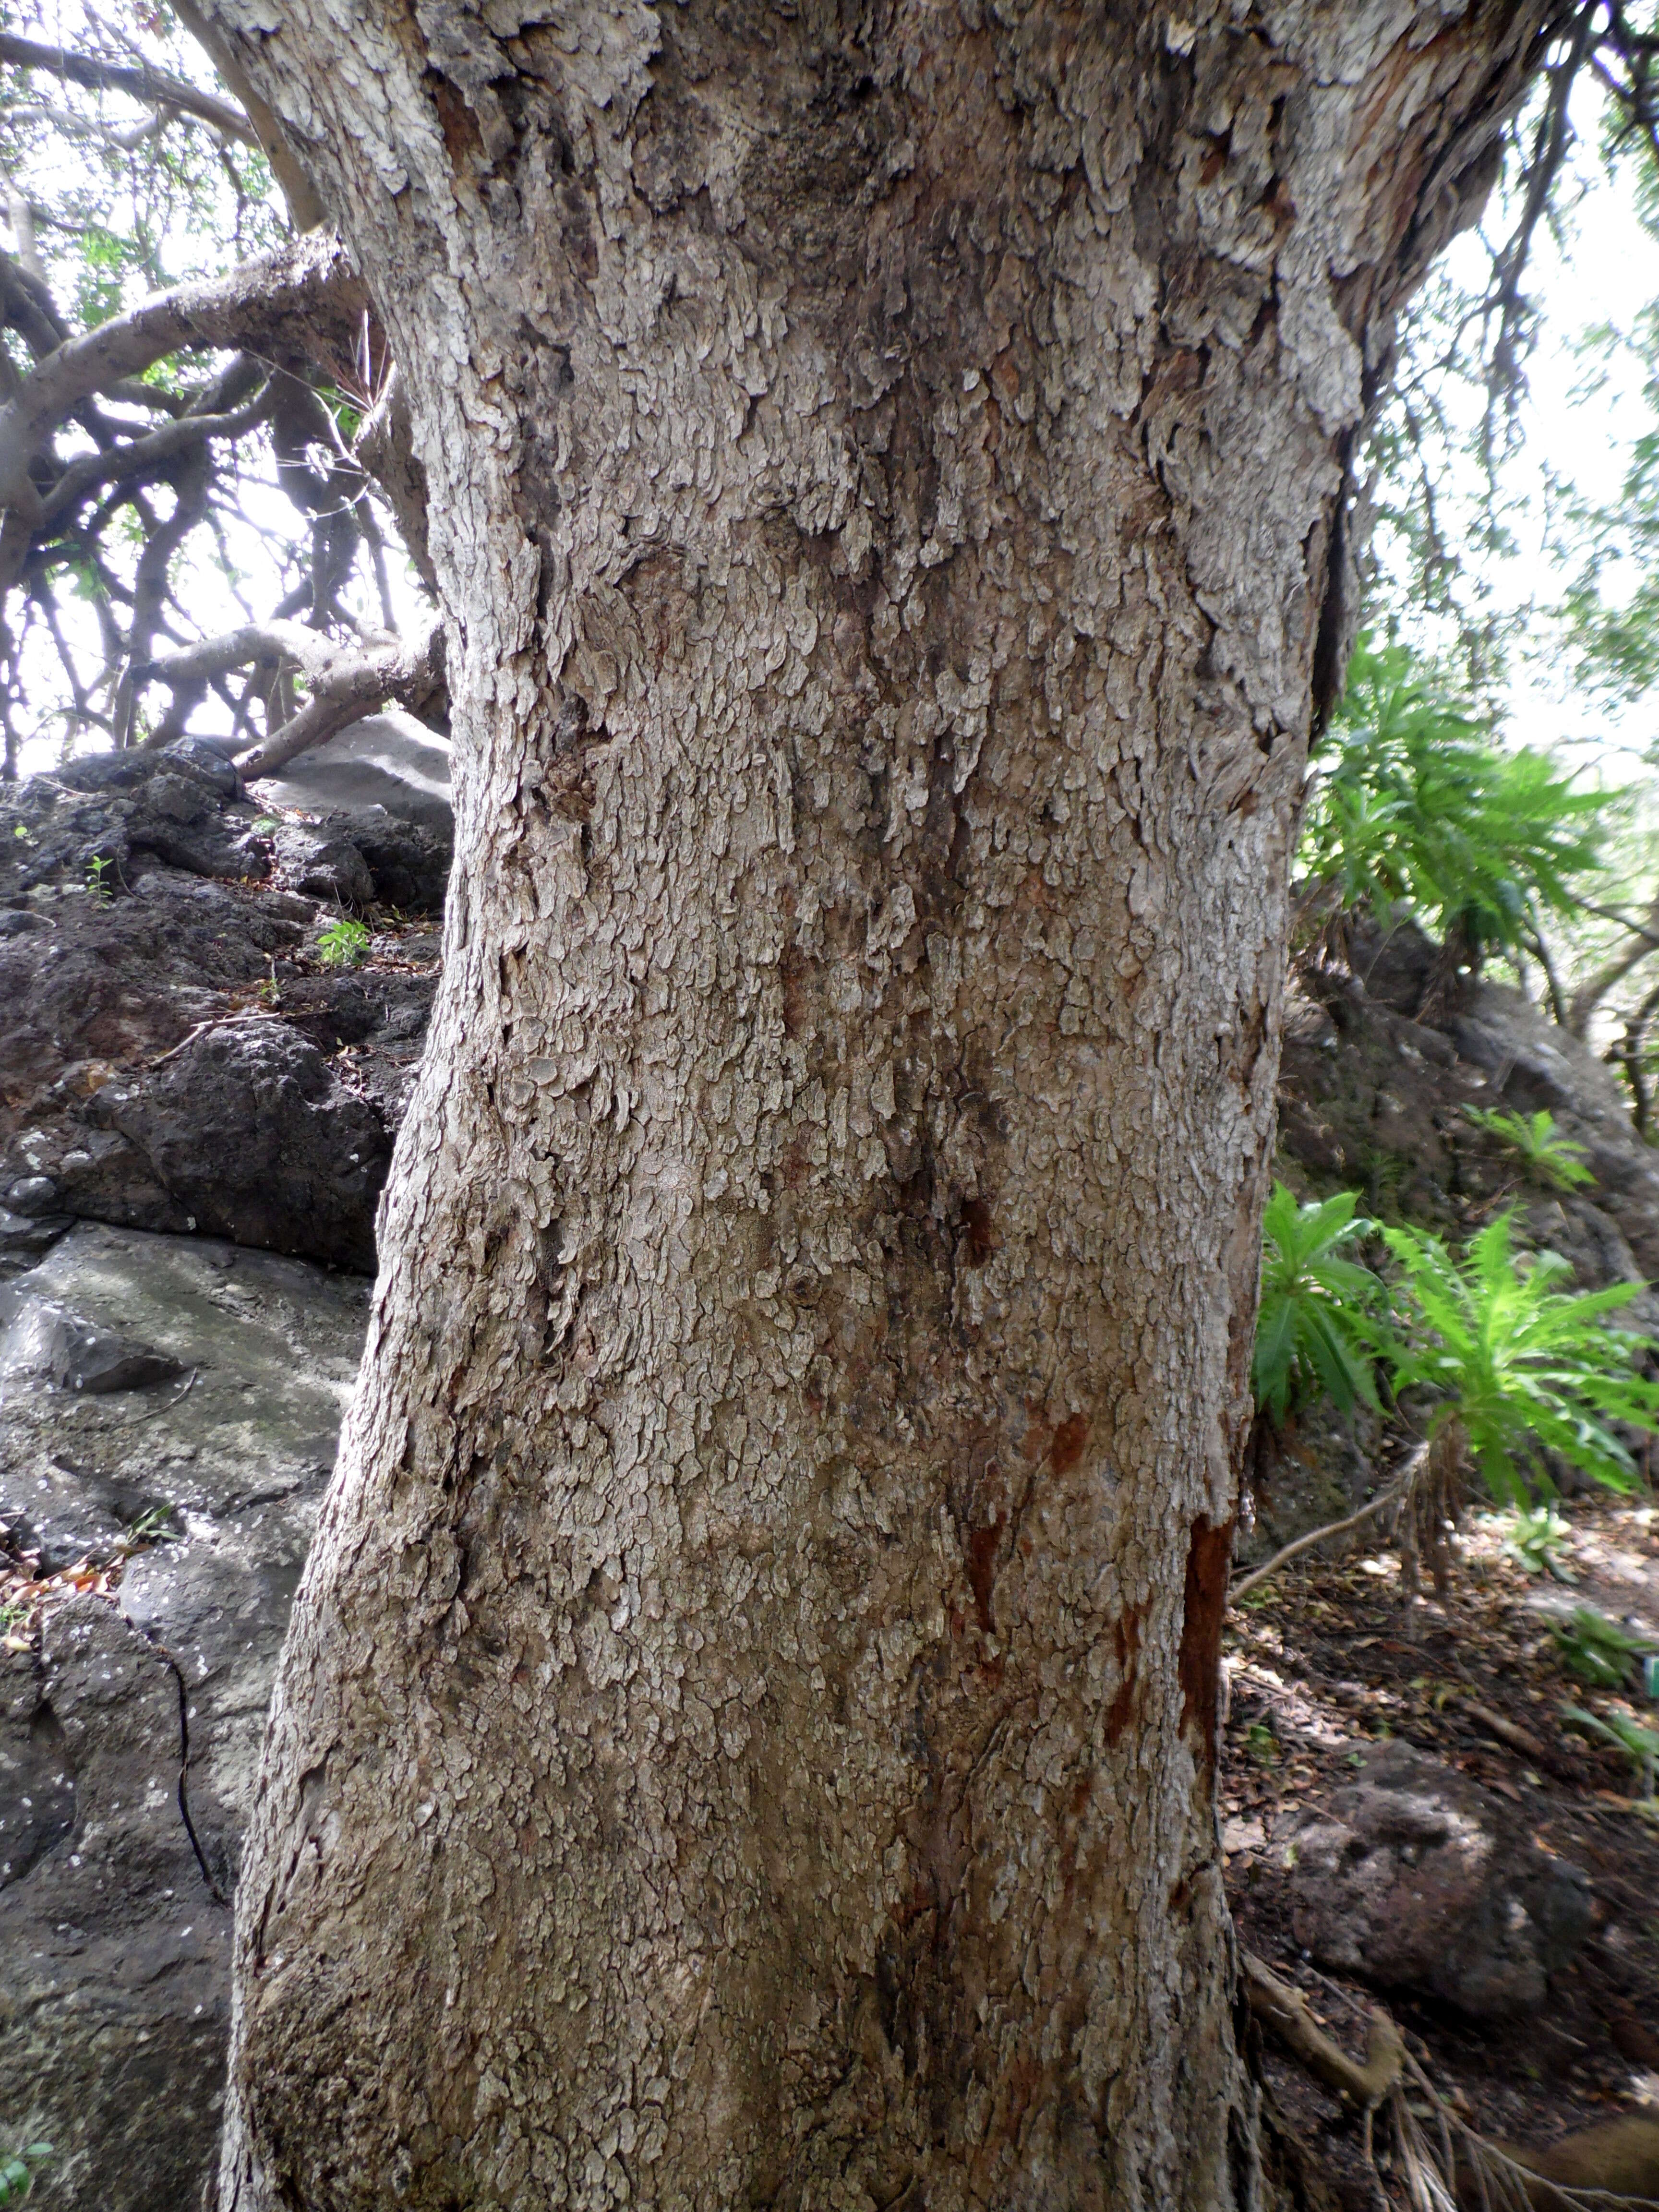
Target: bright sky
1609	273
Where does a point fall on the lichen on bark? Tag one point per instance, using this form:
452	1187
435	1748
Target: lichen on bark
746	1736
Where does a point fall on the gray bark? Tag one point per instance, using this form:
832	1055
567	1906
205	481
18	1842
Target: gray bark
748	1731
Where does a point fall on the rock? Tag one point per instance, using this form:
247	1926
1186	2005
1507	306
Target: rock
117	1991
101	994
388	760
24	1236
180	798
1420	1880
352	859
324	863
271	1345
204	759
245	1132
38	1336
37	1795
32	1196
408	863
114	2007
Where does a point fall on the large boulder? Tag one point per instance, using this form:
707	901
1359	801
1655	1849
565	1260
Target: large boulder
1420	1880
246	1131
387	761
128	1743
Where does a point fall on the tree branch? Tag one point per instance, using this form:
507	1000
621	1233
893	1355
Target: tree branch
139	455
357	685
279	303
154	88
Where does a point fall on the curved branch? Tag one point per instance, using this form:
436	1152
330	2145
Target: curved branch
304	201
241	648
155	87
358	684
139	455
280	301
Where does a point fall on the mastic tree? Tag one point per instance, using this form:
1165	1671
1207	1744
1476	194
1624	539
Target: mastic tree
747	1730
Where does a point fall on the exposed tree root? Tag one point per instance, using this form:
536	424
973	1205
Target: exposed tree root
1442	2163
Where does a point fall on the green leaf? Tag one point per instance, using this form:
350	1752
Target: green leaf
1415	803
1309	1343
1522	1364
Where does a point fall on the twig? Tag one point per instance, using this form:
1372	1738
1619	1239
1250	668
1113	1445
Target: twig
1518	1739
1393	1496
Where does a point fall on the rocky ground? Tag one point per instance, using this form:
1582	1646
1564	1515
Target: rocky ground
215	1001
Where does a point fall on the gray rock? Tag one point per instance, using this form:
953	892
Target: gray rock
245	1132
180	798
37	1790
407	862
32	1196
115	2002
271	1345
1420	1880
40	1337
324	863
24	1236
202	758
115	2018
122	771
389	760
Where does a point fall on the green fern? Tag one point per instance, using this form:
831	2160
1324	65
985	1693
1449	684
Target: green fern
1416	803
1309	1339
1598	1650
1552	1159
1516	1361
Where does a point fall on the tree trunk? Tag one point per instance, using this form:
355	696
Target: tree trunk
747	1735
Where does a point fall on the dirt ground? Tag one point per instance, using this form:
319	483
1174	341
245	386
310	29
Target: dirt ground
1320	1663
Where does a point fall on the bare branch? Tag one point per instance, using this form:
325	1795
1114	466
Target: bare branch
241	648
1596	988
141	456
358	684
154	88
278	302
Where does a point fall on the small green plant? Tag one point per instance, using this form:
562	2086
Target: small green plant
1261	1744
17	2170
1539	1538
1416	803
1554	1160
1517	1362
1639	1745
267	822
1598	1650
150	1528
98	885
343	943
1308	1336
19	831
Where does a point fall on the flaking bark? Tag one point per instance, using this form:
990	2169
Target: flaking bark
747	1734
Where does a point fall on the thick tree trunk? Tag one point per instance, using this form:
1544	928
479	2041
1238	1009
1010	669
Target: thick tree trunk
748	1732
